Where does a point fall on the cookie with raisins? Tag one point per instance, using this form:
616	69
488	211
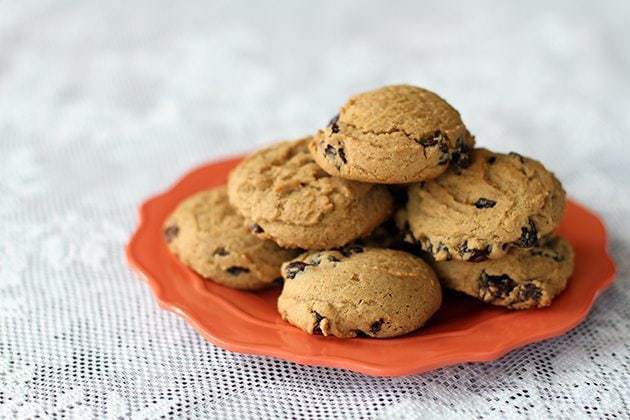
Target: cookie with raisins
355	291
209	236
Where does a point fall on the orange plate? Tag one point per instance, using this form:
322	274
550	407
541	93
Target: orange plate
462	331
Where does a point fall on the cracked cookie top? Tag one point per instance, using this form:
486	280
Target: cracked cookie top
524	278
209	236
392	135
293	201
358	291
500	201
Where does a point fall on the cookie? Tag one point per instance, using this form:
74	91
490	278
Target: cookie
209	236
524	278
499	202
291	200
392	135
356	291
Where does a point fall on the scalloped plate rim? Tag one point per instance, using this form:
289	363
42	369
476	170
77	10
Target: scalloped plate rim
372	369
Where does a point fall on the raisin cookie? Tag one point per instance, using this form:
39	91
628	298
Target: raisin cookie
524	278
209	236
355	291
291	200
500	201
392	135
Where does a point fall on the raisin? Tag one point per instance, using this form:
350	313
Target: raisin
236	270
472	254
318	318
256	228
460	157
529	235
331	154
361	334
495	287
332	258
517	156
530	292
428	142
485	203
171	233
431	140
478	255
342	155
492	160
333	124
221	252
293	268
376	326
443	145
348	250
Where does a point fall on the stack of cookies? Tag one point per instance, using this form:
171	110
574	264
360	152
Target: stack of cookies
364	222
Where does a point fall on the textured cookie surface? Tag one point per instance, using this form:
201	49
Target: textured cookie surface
356	291
297	204
498	202
395	134
524	278
209	236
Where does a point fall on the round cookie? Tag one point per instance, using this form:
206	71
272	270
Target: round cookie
209	236
524	278
500	201
297	204
355	291
392	135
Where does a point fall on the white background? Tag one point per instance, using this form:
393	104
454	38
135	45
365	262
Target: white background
105	103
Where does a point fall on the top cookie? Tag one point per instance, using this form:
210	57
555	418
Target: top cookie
209	236
499	201
392	135
297	204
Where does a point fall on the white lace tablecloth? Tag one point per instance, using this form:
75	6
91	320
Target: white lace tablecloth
105	103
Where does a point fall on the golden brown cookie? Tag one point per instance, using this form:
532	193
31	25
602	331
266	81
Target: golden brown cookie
356	291
297	204
498	202
524	278
392	135
209	236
